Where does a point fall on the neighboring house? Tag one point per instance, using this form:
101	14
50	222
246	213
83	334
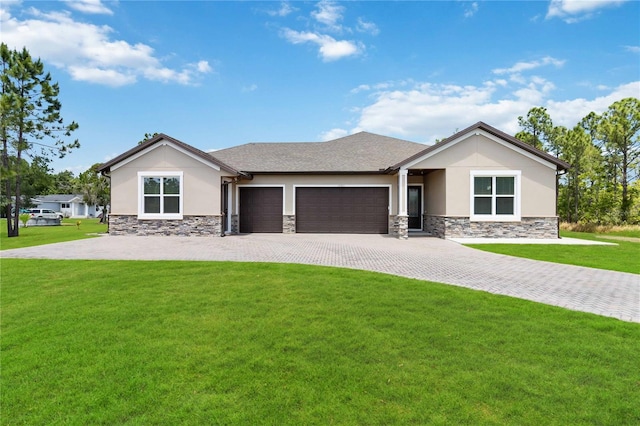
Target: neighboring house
478	182
70	205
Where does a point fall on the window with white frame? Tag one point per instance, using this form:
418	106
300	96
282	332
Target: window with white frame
160	195
495	195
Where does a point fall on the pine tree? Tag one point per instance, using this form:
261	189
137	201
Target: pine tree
30	113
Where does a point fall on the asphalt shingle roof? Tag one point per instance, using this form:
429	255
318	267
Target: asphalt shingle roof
361	152
58	198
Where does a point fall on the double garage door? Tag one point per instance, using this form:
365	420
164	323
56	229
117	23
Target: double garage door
352	210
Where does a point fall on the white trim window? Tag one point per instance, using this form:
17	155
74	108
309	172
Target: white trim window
495	195
160	195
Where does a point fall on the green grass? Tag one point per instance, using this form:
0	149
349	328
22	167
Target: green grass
116	342
623	257
39	235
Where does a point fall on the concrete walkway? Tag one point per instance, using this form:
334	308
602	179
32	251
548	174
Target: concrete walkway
608	293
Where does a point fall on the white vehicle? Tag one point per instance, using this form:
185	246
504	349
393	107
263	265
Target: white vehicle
45	214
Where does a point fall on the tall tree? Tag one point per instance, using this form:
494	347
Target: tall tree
30	113
619	128
537	127
37	180
148	136
63	182
95	189
578	150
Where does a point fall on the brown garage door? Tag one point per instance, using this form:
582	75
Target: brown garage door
342	210
260	210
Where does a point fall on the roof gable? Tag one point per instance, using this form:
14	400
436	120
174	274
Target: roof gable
58	198
160	140
493	134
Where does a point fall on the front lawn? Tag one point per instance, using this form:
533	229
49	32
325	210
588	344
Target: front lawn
623	257
39	235
116	342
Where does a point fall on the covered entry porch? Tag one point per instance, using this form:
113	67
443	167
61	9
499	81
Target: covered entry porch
421	197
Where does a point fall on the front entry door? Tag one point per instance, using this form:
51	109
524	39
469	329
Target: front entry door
414	207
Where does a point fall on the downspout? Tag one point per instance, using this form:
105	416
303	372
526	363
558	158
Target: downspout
558	174
224	188
226	180
104	212
224	212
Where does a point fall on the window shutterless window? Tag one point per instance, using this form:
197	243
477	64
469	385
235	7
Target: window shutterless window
160	195
495	195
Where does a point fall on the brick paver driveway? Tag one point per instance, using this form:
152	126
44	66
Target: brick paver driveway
607	293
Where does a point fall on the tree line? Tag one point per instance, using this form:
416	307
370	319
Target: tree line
602	185
39	179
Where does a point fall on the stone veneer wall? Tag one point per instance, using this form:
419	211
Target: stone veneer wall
235	224
399	226
528	227
289	224
204	226
435	225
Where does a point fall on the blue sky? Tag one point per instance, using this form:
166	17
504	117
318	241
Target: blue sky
217	74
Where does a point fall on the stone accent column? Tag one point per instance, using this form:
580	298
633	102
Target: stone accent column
235	224
399	226
289	224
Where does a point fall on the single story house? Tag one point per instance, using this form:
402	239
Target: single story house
70	205
480	182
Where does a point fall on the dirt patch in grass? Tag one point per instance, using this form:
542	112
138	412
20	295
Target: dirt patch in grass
615	237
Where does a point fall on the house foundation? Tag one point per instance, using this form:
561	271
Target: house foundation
189	226
461	227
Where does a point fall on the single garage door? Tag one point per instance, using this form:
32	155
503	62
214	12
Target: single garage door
260	209
351	210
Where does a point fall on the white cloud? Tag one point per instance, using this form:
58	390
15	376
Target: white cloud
385	85
203	67
471	9
333	134
569	112
96	75
330	49
527	66
88	52
632	49
89	6
329	14
250	88
426	112
367	27
572	11
361	88
284	10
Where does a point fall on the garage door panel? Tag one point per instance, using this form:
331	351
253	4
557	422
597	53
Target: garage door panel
260	209
342	210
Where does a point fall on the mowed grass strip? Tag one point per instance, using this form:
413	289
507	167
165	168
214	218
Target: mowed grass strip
115	342
40	235
623	256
